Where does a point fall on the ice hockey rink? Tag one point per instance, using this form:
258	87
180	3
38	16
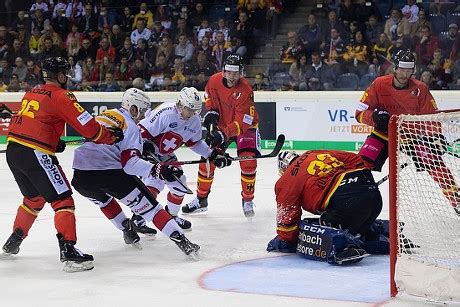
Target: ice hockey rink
234	269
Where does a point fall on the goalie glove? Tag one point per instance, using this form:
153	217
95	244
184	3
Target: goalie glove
220	158
381	119
166	172
5	112
277	244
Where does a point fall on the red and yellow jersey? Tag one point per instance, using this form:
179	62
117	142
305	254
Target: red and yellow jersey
312	178
381	94
44	111
235	105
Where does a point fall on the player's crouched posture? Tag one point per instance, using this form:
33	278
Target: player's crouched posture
105	172
339	187
167	128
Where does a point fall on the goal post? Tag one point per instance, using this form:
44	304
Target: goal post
424	178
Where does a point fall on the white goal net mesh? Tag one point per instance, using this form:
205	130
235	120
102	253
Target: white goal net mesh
428	205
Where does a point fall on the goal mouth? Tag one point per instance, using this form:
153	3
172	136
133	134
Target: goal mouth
425	205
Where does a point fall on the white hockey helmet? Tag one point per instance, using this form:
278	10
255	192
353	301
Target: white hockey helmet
285	158
190	100
136	97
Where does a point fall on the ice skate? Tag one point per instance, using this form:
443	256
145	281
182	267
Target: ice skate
197	205
74	260
183	223
350	255
11	246
248	208
130	235
140	226
189	248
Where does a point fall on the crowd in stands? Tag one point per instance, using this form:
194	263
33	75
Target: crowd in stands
163	45
346	44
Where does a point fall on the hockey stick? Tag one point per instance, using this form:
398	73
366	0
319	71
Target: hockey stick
276	150
388	176
151	158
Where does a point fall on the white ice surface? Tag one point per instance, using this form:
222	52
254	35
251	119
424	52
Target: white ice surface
160	273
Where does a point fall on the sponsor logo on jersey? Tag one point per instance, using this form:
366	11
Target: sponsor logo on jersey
237	95
155	117
173	125
415	92
84	118
248	119
41	91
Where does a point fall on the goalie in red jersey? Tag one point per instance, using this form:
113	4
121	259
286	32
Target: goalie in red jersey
396	94
231	116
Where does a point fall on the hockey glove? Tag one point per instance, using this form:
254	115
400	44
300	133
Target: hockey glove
381	119
117	133
166	172
220	158
5	112
60	147
215	137
109	136
276	244
211	118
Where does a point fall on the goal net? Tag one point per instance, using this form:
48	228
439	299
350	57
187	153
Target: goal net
424	153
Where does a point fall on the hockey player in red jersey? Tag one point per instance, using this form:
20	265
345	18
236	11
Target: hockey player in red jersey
337	185
33	139
231	116
396	94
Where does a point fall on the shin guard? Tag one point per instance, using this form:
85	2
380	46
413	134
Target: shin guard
64	218
27	213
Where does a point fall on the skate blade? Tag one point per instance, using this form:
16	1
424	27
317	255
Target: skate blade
201	210
186	230
149	236
136	245
195	256
7	256
351	260
72	266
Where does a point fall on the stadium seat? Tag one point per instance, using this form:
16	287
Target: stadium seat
366	80
348	81
438	23
277	67
279	79
453	18
217	11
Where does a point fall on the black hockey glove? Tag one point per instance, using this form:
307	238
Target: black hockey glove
148	151
220	158
117	133
211	118
166	172
215	137
381	119
60	147
5	112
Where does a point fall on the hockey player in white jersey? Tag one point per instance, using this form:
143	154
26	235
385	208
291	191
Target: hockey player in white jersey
168	127
103	173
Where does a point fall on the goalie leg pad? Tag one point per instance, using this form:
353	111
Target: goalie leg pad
328	244
375	150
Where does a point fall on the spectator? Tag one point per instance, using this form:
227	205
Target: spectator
127	21
158	71
4	49
310	35
196	16
422	21
141	51
39	5
109	85
364	9
440	69
144	14
90	77
356	58
39	21
167	48
20	70
140	69
21	20
203	65
394	27
427	78
74	47
373	30
13	84
319	76
274	10
447	43
221	27
425	45
127	50
59	8
74	10
33	42
76	74
50	33
180	29
257	20
117	37
6	71
334	50
162	15
74	34
243	31
123	72
184	49
206	48
410	12
333	23
347	12
89	21
259	83
297	73
60	24
380	50
157	34
49	50
292	49
168	85
86	51
105	66
6	36
178	77
203	30
140	32
18	50
105	50
103	19
220	50
33	75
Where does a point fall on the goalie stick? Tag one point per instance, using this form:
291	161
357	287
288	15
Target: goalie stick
276	150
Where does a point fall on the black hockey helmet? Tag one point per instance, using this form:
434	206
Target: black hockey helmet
404	59
234	62
54	65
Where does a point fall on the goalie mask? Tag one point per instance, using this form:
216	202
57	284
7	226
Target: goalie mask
137	98
189	102
285	158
